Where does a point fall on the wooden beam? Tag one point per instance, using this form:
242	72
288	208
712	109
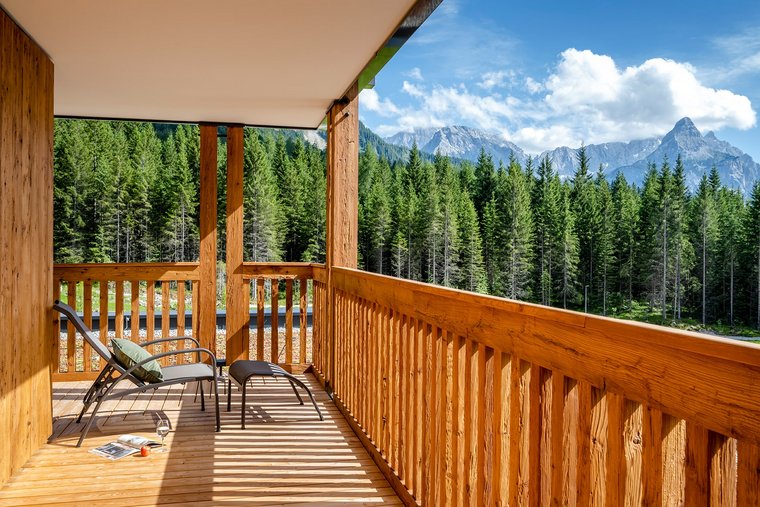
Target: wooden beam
342	201
207	269
237	314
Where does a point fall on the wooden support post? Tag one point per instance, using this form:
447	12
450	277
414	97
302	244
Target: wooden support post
207	270
342	201
237	314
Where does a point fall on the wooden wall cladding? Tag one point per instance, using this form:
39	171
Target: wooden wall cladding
26	250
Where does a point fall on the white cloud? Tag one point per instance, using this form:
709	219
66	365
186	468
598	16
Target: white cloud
415	73
412	89
370	100
493	79
533	86
585	97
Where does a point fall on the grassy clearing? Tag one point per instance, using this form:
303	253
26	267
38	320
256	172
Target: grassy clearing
642	313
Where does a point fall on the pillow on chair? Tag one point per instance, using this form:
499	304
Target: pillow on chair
128	354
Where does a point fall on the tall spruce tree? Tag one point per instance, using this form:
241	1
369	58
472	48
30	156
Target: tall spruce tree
262	228
586	210
546	215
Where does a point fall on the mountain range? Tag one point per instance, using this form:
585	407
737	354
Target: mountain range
699	153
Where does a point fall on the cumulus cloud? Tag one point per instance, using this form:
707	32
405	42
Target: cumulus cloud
415	73
494	79
586	97
370	100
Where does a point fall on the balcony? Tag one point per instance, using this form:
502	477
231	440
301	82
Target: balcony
439	397
433	396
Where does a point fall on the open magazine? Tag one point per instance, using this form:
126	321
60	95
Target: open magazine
124	446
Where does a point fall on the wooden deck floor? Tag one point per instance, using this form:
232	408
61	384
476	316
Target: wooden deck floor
284	456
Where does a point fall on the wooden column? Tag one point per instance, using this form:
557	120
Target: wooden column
207	285
342	200
237	311
26	247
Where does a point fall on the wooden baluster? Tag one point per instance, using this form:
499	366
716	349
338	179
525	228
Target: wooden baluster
599	445
303	319
439	442
103	315
451	410
181	321
289	321
194	303
697	466
463	398
583	473
569	493
558	432
260	319
722	453
70	330
57	327
134	313
87	359
119	309
165	319
533	447
426	417
748	474
651	456
545	431
633	419
472	423
150	312
615	472
673	457
518	434
275	334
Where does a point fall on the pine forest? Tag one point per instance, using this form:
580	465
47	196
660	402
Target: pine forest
128	192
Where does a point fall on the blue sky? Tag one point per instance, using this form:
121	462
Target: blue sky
546	74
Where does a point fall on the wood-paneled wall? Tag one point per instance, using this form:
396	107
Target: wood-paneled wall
26	253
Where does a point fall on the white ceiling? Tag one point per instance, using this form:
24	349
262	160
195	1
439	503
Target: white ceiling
255	62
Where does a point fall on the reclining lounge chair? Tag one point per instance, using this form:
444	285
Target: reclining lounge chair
113	372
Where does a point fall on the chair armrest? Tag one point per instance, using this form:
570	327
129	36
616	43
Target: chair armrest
175	353
173	339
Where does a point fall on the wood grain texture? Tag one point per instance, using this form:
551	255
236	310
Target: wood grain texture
286	456
237	314
627	358
127	271
26	250
207	230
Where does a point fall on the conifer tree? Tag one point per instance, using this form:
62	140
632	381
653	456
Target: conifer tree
604	238
625	220
447	216
586	212
752	246
513	233
546	202
261	222
470	274
704	235
566	248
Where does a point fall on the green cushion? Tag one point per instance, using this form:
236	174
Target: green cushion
129	354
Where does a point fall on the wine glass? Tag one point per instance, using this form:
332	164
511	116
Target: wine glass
162	429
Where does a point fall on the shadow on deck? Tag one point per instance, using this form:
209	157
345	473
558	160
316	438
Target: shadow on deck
284	456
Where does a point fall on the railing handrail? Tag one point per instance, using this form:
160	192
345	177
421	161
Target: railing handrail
708	380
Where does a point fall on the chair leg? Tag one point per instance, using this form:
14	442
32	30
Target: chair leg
203	400
216	400
296	391
242	407
313	401
87	427
229	395
84	410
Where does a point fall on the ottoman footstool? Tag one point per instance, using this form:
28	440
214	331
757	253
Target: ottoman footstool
241	372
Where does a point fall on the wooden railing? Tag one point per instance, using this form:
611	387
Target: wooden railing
150	290
478	400
134	297
267	283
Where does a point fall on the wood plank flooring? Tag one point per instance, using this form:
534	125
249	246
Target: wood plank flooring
286	455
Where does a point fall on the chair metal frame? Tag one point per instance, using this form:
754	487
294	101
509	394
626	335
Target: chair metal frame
113	373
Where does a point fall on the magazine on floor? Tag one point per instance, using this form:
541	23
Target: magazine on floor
125	445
